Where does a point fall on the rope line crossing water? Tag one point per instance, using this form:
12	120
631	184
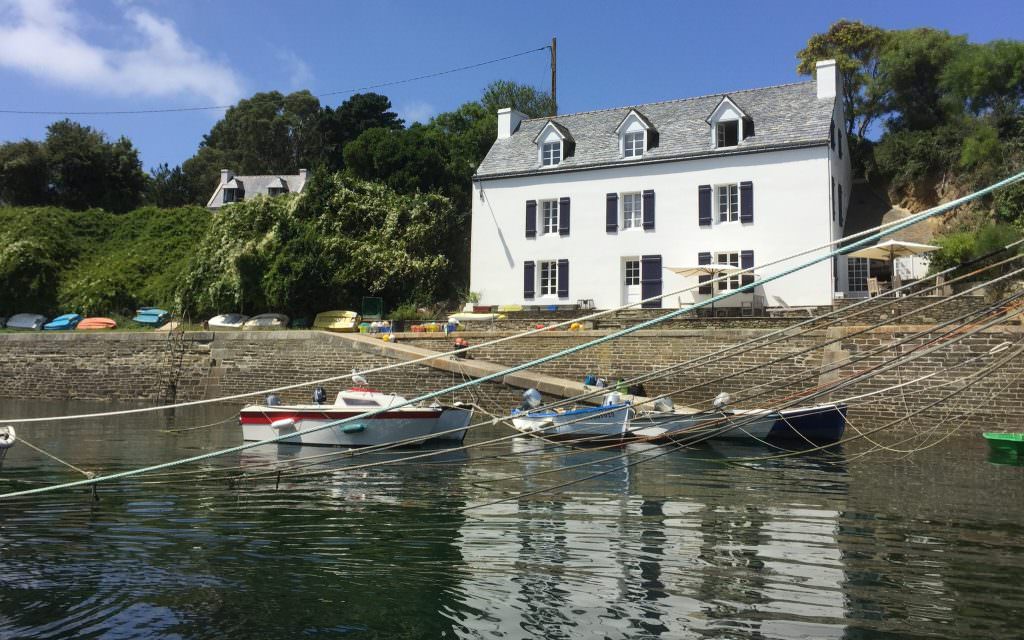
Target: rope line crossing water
575	349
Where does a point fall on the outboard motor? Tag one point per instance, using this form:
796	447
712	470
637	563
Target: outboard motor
721	400
531	399
273	400
613	398
319	395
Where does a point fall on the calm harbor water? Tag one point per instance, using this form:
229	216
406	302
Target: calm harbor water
677	546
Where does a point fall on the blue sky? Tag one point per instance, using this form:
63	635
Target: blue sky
150	54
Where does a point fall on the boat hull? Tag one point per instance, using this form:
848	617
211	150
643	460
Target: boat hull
596	422
410	426
820	424
94	324
26	321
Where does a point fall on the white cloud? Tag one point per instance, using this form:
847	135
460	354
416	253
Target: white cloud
416	111
44	38
300	76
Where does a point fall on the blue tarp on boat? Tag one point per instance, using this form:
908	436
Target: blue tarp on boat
63	323
151	316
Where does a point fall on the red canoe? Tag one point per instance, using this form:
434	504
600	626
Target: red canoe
97	323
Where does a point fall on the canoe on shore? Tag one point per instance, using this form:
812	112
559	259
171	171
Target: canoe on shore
93	324
66	322
227	322
340	321
27	321
151	316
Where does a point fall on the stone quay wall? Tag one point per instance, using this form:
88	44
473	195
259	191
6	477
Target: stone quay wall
153	367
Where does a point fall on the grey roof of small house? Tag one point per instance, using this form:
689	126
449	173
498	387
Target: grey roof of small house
257	185
785	116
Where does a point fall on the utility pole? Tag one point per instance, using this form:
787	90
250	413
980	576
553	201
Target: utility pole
554	75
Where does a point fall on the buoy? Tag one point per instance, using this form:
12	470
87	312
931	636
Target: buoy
283	423
353	428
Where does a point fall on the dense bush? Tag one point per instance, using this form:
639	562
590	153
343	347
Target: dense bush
959	247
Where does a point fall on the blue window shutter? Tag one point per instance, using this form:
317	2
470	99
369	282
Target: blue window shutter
840	136
648	197
832	134
704	257
563	278
531	218
833	197
529	279
650	280
746	262
611	217
840	205
704	205
563	216
746	202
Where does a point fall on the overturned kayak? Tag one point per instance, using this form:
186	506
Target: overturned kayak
151	316
65	322
93	324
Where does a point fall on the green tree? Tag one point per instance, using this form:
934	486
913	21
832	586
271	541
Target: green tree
909	79
87	171
856	48
337	127
168	187
523	98
24	173
989	79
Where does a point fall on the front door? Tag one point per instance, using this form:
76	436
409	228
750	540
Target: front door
630	280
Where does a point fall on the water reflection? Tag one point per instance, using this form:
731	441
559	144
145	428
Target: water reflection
636	544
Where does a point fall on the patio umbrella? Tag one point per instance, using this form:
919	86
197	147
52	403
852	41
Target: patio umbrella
714	270
890	250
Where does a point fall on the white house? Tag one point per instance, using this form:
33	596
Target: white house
599	205
234	188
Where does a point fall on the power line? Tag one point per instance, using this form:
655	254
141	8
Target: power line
318	95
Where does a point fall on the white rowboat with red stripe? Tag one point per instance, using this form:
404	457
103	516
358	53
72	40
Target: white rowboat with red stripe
408	424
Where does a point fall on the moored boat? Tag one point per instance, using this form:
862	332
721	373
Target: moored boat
340	321
1005	448
151	316
818	424
66	322
409	425
611	420
227	322
28	321
92	324
265	321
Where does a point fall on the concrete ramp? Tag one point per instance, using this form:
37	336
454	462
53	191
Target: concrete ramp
549	385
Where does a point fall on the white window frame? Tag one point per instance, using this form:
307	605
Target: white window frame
636	211
732	212
548	155
855	282
548	224
547	278
730	281
718	133
634	144
631	271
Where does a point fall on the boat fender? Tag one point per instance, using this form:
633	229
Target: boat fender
273	400
283	423
353	428
7	437
531	399
319	395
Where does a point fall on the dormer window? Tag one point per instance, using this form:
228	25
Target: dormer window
633	144
554	144
636	135
551	153
729	124
728	133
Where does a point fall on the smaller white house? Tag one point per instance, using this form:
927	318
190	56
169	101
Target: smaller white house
234	188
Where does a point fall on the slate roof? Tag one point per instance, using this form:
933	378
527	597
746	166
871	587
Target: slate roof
257	185
785	116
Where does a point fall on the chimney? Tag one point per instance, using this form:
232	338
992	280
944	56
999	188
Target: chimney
827	75
226	175
302	173
508	121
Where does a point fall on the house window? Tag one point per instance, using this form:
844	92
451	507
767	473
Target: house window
857	274
551	154
633	144
632	272
231	195
276	191
549	216
549	278
632	212
728	202
733	280
728	133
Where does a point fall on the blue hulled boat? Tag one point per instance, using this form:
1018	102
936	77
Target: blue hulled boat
65	322
151	316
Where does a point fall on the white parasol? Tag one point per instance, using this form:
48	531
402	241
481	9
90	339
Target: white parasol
890	250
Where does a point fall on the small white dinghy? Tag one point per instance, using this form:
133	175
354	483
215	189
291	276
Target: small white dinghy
27	321
7	440
227	322
265	321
